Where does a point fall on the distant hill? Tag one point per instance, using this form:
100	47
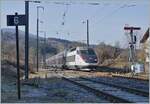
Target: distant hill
53	45
8	36
107	54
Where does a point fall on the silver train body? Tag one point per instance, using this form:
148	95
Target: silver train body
76	58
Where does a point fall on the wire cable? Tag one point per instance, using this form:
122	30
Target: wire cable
115	11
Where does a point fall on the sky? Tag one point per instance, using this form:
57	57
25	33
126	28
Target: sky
107	18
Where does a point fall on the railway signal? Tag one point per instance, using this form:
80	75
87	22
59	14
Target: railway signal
132	42
17	20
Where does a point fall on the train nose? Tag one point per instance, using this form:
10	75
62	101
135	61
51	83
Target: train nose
95	60
91	59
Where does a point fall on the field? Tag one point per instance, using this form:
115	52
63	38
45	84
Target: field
48	86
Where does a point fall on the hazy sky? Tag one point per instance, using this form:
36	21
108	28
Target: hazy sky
107	18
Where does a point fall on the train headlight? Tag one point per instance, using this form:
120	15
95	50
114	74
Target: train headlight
95	60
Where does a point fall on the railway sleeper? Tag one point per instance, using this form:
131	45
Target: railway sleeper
132	90
98	93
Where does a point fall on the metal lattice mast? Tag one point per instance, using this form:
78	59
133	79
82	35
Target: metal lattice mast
132	42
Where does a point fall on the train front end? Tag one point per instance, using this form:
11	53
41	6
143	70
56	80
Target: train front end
86	58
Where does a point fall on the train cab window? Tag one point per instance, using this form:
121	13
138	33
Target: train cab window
87	52
73	49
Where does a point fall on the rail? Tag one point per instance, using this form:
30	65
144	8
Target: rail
132	90
112	94
135	78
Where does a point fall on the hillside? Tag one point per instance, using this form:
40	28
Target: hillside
53	46
108	55
8	36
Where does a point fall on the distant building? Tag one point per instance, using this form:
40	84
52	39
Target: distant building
146	45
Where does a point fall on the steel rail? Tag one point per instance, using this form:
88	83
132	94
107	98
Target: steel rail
131	78
132	90
99	93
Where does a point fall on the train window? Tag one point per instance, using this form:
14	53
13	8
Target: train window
73	49
87	52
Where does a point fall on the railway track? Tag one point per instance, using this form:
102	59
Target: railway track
133	78
129	89
111	93
138	84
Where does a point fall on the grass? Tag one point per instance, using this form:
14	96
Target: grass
60	92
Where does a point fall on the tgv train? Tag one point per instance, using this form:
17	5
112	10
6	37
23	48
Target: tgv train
76	58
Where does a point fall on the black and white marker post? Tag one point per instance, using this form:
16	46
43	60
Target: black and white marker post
16	20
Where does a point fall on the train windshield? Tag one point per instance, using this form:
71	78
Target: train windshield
87	52
88	56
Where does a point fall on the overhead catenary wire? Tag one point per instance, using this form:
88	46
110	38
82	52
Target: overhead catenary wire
64	15
109	15
72	2
94	3
115	11
98	10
